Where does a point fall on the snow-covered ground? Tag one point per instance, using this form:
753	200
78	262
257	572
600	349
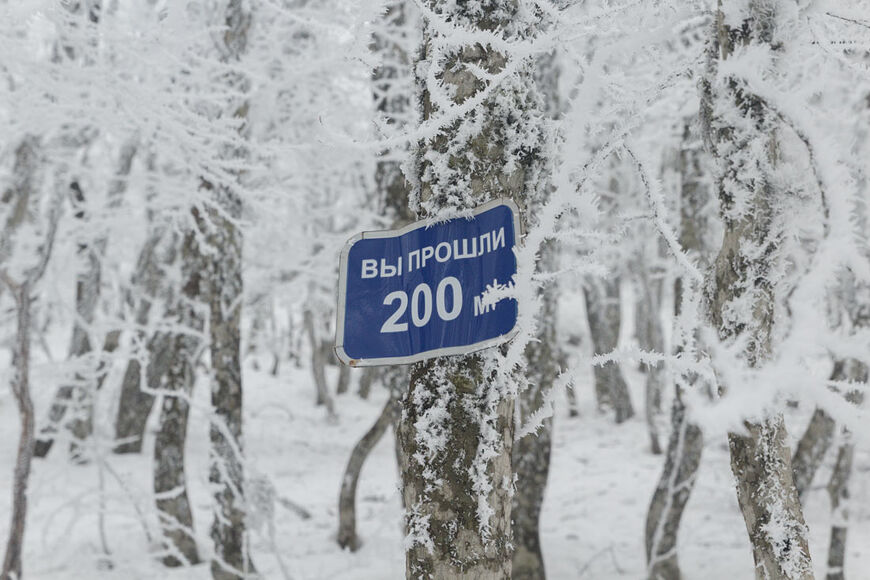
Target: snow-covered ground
601	481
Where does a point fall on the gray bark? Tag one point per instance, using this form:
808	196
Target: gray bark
531	454
650	337
231	559
743	271
347	536
21	205
811	449
79	397
472	161
170	487
135	403
318	364
12	567
603	311
838	490
686	441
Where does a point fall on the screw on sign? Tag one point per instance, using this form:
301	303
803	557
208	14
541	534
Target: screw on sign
415	293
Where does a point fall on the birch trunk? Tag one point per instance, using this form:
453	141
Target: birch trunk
742	296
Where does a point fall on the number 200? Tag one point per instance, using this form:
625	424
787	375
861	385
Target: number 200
423	294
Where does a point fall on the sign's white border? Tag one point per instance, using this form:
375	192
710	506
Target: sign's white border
404	360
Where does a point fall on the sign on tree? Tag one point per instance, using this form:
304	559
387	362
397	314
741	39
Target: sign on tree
418	292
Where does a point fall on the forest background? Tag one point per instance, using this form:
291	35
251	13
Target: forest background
685	394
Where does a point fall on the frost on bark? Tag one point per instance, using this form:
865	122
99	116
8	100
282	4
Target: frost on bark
685	444
457	426
170	487
78	398
222	265
531	454
19	204
603	311
742	294
158	253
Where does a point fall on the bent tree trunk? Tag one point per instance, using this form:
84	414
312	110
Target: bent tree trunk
347	537
457	427
742	295
603	310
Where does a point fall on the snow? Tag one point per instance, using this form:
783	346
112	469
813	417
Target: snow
601	480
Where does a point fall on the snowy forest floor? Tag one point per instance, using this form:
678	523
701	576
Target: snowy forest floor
601	481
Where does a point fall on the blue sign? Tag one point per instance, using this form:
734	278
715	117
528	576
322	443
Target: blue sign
410	294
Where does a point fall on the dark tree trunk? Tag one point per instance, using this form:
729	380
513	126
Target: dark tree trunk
811	450
148	282
531	454
347	537
603	310
672	494
170	486
838	490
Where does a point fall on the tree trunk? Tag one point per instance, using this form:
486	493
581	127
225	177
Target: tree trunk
838	490
347	537
366	379
603	310
21	389
811	449
22	207
79	397
650	337
742	294
231	559
531	454
672	495
685	444
149	280
318	365
457	427
170	487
